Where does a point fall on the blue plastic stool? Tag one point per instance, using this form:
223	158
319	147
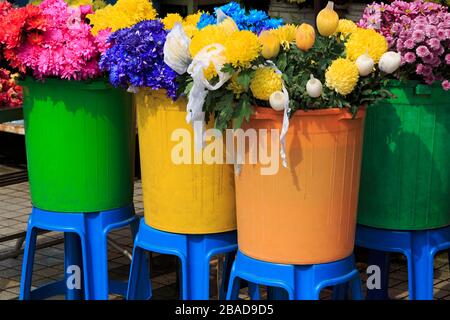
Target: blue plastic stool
85	246
194	252
419	247
301	282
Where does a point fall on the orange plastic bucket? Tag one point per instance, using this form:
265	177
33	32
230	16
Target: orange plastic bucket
304	214
179	198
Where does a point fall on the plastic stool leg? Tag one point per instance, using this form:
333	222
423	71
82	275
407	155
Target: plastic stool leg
95	259
276	293
382	260
72	258
228	264
139	277
356	289
253	291
448	256
340	291
304	288
27	264
196	271
420	271
234	287
142	289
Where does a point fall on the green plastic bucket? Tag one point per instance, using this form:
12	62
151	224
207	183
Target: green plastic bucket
80	145
405	178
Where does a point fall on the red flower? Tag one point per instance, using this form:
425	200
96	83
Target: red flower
35	38
11	94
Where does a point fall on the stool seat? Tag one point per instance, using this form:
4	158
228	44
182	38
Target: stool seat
85	249
194	251
301	282
419	247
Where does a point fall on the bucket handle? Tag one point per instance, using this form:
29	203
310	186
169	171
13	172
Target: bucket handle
422	89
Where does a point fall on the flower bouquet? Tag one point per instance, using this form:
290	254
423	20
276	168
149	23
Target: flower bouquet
135	60
416	124
77	125
306	90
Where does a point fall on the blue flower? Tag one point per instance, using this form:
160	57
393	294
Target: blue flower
205	20
136	58
254	20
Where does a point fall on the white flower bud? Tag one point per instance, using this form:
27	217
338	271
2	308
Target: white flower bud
314	87
390	62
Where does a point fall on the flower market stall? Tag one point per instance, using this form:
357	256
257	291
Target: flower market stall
270	148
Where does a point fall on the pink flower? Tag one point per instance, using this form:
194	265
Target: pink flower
409	43
101	40
409	57
67	50
419	31
430	31
419	69
440	34
446	85
420	26
427	71
447	58
422	51
434	43
430	79
418	36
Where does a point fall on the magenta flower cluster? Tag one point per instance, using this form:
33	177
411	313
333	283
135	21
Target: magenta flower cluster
420	32
66	48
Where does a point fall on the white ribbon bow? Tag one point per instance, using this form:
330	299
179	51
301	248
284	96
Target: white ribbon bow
211	54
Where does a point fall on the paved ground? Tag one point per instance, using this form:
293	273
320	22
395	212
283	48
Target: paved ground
15	208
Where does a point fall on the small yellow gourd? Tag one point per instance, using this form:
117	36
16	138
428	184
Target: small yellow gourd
327	20
305	37
270	45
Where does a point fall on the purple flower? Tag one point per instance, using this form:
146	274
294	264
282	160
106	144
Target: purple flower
419	31
409	57
420	26
430	31
422	51
409	43
446	85
441	34
427	71
419	69
430	79
447	58
434	43
136	58
418	36
428	59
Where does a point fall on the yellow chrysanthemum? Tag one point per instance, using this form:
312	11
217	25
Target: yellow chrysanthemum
265	82
193	19
190	24
286	34
123	14
209	35
234	86
342	76
242	47
346	27
366	41
190	30
170	20
204	37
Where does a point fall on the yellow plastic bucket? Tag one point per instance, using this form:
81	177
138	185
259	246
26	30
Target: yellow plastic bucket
179	198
